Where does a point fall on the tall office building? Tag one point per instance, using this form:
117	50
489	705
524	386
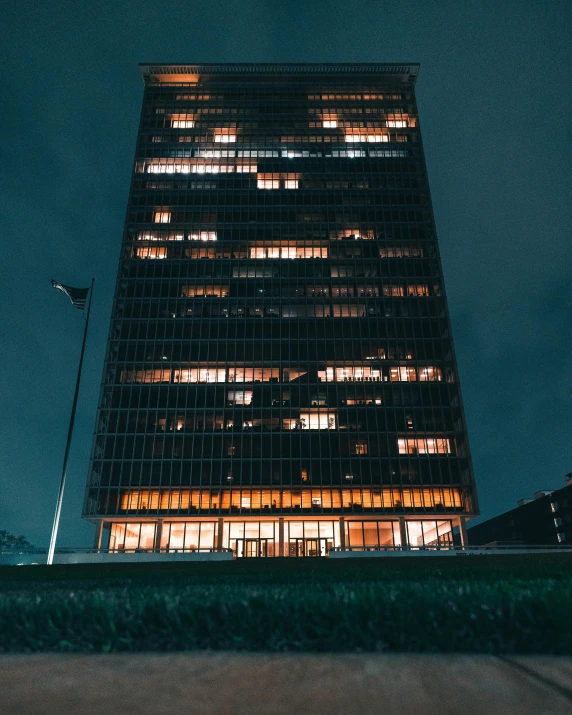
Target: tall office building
280	376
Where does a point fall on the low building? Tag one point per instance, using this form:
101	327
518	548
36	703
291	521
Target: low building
544	520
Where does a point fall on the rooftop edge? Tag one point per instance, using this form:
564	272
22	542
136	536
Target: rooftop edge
175	72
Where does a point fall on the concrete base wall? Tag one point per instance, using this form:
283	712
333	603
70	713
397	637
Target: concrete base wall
22	559
442	552
105	558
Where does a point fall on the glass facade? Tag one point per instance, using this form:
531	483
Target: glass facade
280	376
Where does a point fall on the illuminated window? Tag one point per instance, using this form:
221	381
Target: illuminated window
162	216
360	448
268	183
315	420
200	375
429	533
388	153
400	121
329	124
430	374
289	252
347	153
417	290
191	166
350	374
367	137
249	374
221	168
258	153
181	536
151	252
203	236
424	446
239	397
129	537
277	181
352	234
204	291
224	136
182	121
403	374
160	236
216	153
376	498
298	153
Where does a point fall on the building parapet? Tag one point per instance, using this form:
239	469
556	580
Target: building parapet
169	73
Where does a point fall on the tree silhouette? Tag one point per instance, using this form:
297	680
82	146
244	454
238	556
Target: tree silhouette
9	541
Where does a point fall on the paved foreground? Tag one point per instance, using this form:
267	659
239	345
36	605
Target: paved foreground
271	684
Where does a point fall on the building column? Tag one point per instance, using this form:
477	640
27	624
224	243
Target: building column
281	536
342	532
463	532
158	534
403	533
98	535
219	533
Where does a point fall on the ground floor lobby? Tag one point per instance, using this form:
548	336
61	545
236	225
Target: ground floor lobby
285	537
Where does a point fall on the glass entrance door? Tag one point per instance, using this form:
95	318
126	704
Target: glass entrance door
309	547
250	548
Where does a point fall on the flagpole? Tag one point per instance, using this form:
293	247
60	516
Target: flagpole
68	443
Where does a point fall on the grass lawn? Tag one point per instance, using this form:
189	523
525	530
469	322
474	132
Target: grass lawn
486	604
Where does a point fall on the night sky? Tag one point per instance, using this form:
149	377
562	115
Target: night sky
495	106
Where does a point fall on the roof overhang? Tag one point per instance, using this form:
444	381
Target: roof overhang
181	73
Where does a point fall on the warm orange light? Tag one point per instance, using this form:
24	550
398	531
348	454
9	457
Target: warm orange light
224	136
151	252
182	121
204	291
424	445
176	78
162	216
278	181
305	498
366	135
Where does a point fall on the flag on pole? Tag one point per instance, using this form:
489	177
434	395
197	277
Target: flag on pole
76	295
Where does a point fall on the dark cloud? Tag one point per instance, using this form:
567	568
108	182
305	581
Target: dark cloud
495	111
